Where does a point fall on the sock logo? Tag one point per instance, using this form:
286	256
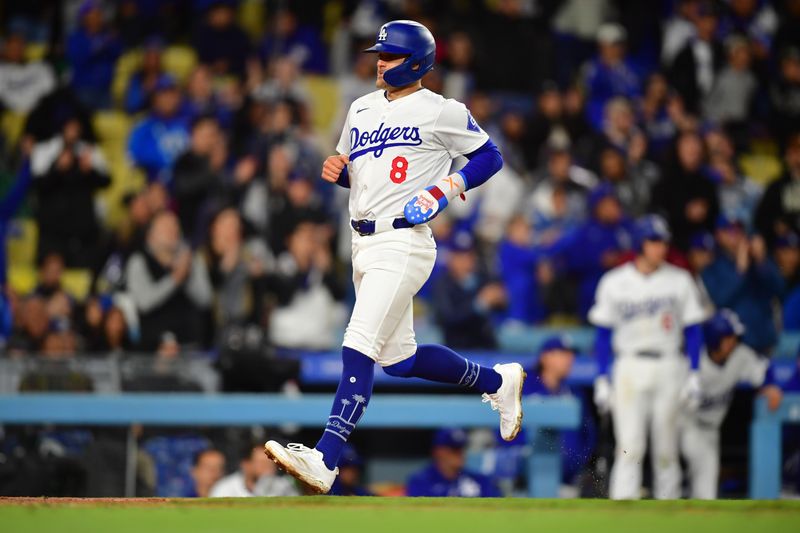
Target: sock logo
341	426
471	374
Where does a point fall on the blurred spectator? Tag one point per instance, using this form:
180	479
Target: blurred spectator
169	285
684	194
292	202
22	83
48	286
598	245
610	75
755	19
463	298
730	100
256	476
157	140
142	83
551	120
105	327
520	264
458	78
699	255
619	130
548	378
351	469
308	288
631	183
92	52
208	468
203	98
299	43
575	26
562	190
695	67
779	210
738	194
679	30
31	324
236	267
52	111
784	94
198	177
283	84
219	41
787	258
446	475
67	171
663	115
744	279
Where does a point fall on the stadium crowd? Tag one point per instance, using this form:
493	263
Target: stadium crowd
161	168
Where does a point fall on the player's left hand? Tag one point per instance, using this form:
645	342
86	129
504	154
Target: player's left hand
429	202
691	394
425	205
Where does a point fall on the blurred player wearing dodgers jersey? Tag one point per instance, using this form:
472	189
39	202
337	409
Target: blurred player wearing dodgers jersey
645	311
725	363
395	153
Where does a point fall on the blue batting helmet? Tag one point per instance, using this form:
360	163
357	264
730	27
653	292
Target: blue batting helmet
651	228
723	324
408	38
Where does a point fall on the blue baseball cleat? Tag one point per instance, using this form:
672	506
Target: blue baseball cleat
425	205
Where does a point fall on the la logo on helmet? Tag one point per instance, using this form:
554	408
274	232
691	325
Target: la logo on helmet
382	35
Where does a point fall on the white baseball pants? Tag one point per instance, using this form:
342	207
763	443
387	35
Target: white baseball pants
700	448
646	396
389	268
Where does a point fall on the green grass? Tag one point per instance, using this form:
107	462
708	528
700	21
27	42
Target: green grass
406	515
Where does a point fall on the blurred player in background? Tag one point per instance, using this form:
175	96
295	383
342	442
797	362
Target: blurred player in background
351	470
645	311
446	475
726	363
395	155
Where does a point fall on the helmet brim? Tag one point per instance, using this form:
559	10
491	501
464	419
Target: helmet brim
388	48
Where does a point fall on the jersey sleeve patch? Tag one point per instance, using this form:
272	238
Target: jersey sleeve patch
471	124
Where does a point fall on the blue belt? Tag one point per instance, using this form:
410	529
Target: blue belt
370	227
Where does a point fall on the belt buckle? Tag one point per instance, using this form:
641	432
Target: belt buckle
357	225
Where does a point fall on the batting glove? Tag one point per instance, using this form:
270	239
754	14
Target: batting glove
602	394
691	394
429	202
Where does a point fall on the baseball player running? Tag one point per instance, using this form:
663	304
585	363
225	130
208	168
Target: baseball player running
725	363
395	153
645	311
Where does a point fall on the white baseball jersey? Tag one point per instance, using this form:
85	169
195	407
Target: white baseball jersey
647	312
718	381
401	146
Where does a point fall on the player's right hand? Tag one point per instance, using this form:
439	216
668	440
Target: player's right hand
333	166
602	394
691	394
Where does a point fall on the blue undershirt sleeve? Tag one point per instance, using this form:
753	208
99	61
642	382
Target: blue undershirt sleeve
769	376
602	350
344	179
693	336
483	164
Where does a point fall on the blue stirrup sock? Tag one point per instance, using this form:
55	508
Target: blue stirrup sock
439	363
352	397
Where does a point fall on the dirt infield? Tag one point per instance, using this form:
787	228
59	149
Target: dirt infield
92	502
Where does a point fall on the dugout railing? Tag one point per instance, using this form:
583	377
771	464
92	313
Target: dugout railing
544	417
